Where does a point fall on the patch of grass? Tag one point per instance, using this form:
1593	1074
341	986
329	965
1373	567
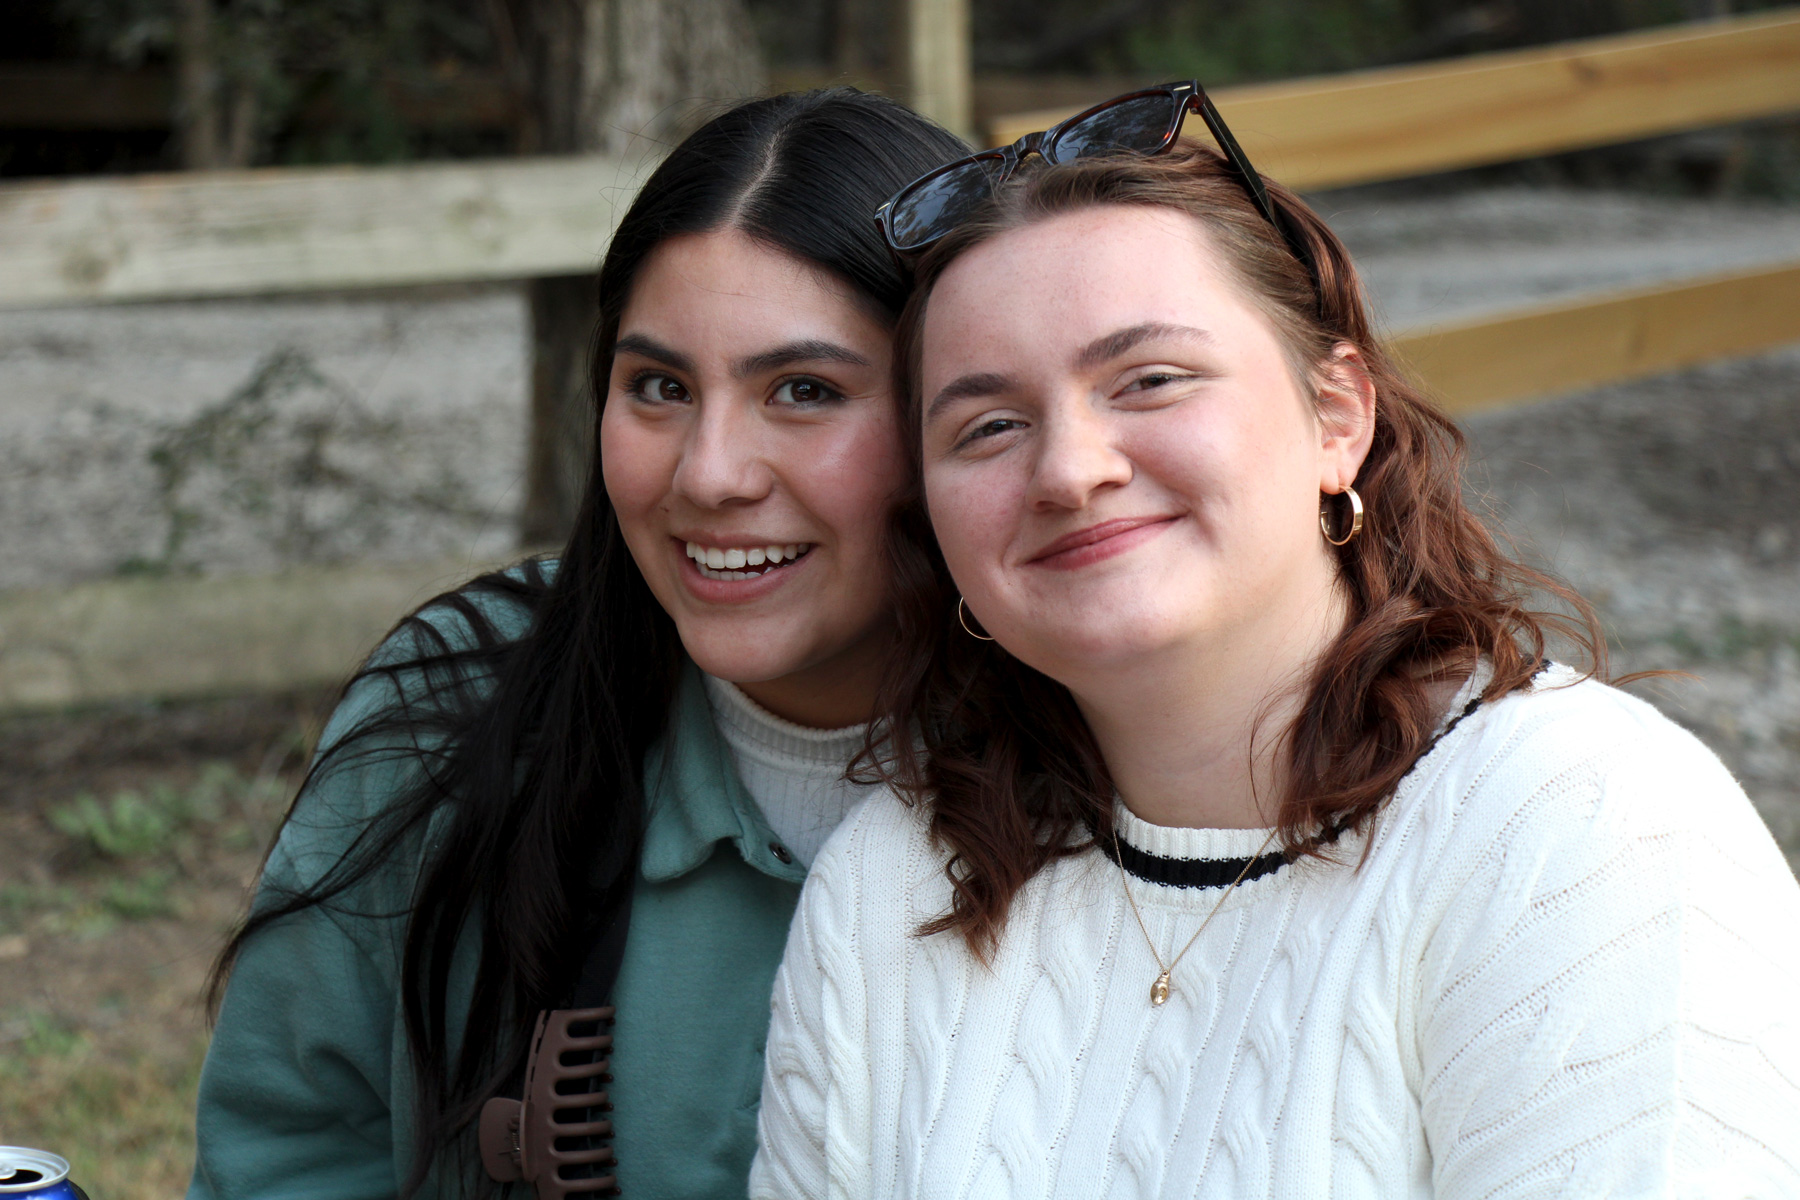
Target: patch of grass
20	902
147	895
148	824
130	825
125	1121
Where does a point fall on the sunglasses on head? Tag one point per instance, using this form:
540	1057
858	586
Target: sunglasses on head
1144	122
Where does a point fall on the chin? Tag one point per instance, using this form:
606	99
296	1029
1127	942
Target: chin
739	656
1099	645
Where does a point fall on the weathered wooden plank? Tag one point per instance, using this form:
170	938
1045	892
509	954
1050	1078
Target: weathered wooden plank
1402	121
1496	360
124	638
285	229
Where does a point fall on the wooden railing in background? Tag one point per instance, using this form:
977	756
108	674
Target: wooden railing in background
1500	359
1414	120
293	230
275	229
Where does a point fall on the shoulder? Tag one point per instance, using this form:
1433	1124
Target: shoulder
1573	778
880	869
494	609
1575	736
395	713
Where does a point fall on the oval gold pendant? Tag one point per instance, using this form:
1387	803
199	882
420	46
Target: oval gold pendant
1159	991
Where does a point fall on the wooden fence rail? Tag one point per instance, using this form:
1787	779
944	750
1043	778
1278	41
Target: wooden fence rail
1414	120
281	229
1503	358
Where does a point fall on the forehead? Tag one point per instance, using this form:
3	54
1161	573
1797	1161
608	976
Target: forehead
729	284
1078	275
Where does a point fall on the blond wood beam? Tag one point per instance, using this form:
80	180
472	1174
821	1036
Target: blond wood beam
286	229
1492	361
1414	120
936	41
126	638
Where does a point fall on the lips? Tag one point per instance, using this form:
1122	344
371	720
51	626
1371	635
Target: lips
1095	537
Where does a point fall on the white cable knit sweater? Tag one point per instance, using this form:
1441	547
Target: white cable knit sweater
1569	966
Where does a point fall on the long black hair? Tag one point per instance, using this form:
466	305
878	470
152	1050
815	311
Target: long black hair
527	752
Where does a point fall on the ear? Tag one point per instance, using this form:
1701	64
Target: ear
1346	409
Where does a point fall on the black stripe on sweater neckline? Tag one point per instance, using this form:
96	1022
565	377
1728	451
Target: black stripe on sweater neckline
1188	872
1220	872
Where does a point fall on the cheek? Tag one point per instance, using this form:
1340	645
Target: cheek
635	462
972	512
848	481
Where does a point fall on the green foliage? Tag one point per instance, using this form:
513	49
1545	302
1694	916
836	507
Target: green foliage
130	825
148	824
148	895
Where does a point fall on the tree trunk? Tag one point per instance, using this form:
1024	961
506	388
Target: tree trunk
620	77
197	98
215	120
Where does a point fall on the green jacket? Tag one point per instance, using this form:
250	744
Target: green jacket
306	1092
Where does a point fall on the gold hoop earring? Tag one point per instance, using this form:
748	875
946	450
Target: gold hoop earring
962	609
1356	517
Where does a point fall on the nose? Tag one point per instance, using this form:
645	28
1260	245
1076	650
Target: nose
722	462
1078	456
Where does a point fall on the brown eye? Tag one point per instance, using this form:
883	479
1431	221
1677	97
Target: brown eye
806	392
657	388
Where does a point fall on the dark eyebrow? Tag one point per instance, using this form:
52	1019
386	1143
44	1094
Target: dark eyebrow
637	343
1104	349
807	350
968	387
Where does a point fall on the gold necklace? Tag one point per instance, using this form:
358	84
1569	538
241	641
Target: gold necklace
1159	991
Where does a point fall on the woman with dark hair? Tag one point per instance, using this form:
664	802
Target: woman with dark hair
1254	847
597	779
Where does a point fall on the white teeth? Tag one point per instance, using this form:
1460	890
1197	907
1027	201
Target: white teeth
716	562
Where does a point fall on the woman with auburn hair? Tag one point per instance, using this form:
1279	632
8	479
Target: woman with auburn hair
1254	846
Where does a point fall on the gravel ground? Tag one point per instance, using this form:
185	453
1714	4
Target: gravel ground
239	436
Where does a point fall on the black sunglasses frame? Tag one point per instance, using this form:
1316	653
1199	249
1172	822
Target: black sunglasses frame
1185	97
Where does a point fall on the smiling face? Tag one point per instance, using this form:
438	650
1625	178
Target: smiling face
750	449
1118	459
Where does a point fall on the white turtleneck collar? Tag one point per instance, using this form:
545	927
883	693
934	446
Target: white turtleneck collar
795	774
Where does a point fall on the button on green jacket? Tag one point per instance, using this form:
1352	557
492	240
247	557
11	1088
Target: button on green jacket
306	1088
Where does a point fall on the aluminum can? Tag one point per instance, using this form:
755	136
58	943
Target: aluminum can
27	1174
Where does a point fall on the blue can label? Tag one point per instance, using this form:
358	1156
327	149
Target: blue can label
27	1174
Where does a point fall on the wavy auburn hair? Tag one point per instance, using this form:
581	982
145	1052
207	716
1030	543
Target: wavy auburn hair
1000	754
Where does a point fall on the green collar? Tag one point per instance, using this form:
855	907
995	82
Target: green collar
697	800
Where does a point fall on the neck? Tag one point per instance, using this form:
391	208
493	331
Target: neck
1194	734
837	692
